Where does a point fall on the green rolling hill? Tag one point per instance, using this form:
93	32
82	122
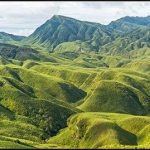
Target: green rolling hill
76	84
103	130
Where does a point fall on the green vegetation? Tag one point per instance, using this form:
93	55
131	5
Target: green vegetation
76	84
103	130
7	38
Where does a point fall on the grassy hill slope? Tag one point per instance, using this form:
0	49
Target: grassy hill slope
103	130
113	90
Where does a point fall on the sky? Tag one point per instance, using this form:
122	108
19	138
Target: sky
22	18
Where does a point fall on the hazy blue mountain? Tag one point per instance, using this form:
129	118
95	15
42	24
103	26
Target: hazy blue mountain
5	37
127	24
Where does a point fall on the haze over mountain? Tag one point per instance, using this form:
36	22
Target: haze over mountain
6	37
76	84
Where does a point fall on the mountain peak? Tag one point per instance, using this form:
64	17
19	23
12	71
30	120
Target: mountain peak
61	29
61	17
55	17
136	20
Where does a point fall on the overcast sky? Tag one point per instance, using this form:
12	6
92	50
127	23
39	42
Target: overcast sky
23	18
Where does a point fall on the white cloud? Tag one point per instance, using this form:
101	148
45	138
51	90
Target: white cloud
24	17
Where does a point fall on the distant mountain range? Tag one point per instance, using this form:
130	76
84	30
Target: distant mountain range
125	36
6	37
